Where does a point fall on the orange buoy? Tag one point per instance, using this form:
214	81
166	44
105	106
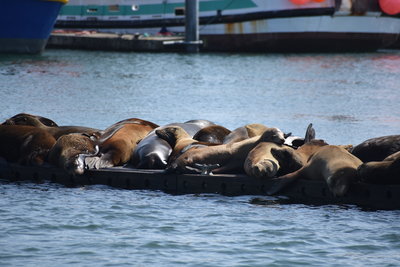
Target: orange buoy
390	7
300	2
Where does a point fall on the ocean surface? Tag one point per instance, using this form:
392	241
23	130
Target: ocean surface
348	98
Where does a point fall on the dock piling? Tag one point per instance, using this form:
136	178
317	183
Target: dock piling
192	26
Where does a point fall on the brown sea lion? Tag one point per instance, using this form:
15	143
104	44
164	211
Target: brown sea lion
70	151
268	159
245	132
27	145
386	171
230	157
212	134
334	164
48	125
260	162
118	142
377	149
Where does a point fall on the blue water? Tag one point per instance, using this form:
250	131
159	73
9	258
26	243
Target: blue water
348	98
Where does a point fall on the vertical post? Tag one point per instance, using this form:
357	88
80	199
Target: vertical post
192	25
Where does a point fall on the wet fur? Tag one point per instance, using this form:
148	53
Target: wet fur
212	134
118	142
377	149
27	145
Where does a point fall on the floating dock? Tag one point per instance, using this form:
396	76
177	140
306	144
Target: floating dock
370	196
114	42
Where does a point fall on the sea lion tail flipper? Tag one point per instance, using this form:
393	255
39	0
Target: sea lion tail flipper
206	169
91	162
310	134
280	183
286	135
96	162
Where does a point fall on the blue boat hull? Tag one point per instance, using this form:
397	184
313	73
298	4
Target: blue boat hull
25	25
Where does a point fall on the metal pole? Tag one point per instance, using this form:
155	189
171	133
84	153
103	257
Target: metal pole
192	25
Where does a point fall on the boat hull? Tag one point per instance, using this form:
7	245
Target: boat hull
25	25
259	26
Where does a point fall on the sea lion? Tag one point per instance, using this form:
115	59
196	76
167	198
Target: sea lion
260	162
27	145
48	125
29	119
178	139
334	164
118	142
245	132
70	150
212	134
200	123
153	152
268	159
230	157
377	149
386	171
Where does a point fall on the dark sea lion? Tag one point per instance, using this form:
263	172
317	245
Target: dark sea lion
153	152
29	119
118	142
230	157
386	171
48	125
70	150
27	145
245	132
212	134
200	123
377	149
334	164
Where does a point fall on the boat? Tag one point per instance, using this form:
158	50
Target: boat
249	25
25	25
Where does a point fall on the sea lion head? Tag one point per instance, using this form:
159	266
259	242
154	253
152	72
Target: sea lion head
288	159
171	134
70	150
273	135
31	120
265	168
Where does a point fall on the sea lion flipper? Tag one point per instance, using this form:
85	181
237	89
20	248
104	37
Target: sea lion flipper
310	134
206	169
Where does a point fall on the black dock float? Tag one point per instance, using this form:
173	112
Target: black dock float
370	196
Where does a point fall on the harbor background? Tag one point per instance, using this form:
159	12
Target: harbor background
348	97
